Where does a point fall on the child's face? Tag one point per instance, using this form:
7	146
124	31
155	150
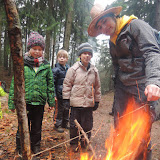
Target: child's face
85	58
36	51
62	59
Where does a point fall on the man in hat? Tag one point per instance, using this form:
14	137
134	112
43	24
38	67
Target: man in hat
136	55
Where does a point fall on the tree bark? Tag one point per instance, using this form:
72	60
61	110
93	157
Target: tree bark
68	26
6	49
53	47
48	41
1	37
157	18
15	38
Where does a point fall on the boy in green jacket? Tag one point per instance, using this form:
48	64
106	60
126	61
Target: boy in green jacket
39	88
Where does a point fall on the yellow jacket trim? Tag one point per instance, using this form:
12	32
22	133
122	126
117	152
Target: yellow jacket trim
121	22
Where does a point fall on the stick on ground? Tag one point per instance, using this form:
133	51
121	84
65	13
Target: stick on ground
85	136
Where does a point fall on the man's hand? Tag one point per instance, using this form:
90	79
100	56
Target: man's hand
152	92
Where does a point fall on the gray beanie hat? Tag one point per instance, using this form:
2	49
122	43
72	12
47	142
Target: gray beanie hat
85	47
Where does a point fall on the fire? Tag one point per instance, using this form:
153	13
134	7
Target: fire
131	135
85	156
132	131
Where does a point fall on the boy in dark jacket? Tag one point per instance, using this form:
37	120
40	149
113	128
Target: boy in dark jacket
39	88
61	115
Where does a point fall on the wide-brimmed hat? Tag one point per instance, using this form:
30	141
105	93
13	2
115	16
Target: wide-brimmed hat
97	12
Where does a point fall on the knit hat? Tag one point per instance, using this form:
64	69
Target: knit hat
85	47
35	39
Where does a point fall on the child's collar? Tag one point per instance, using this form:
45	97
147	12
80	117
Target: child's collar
87	68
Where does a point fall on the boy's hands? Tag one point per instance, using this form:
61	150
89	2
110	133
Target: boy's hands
51	108
95	106
66	103
13	110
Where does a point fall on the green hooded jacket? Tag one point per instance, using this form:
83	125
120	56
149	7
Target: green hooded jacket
39	86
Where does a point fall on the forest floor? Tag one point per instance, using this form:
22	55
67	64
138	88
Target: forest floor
59	142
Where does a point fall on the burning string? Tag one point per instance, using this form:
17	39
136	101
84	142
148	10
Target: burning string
133	111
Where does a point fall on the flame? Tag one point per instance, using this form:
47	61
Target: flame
131	136
85	156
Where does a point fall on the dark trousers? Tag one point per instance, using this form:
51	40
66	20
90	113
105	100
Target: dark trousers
122	96
61	115
84	117
35	117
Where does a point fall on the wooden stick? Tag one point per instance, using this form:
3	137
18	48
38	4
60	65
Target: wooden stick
85	136
48	149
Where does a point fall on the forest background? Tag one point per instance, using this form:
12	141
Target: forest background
64	24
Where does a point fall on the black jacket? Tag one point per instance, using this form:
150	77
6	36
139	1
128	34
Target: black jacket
59	73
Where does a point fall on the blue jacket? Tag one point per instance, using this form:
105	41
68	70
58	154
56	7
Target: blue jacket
59	73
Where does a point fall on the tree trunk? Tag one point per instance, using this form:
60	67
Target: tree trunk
157	17
25	36
1	37
68	26
53	47
48	42
59	34
6	49
10	66
72	55
18	68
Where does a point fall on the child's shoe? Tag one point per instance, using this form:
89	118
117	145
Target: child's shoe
59	129
66	126
19	152
36	149
111	113
74	148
